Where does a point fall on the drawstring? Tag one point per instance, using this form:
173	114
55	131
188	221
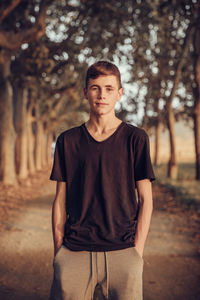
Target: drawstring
107	276
92	274
91	279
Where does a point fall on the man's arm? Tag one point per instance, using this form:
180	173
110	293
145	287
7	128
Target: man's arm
59	215
144	189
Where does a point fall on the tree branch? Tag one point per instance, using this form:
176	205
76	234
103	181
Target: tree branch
8	10
13	41
187	41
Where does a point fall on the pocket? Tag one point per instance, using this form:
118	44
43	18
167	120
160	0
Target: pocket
58	252
137	253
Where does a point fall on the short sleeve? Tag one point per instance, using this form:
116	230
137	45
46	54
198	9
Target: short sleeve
142	162
58	172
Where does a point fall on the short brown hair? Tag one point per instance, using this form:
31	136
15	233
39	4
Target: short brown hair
102	68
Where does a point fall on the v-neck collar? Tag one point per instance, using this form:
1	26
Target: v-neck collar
108	138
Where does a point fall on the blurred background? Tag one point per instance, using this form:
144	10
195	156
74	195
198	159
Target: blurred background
45	50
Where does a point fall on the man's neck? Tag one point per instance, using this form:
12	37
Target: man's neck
102	124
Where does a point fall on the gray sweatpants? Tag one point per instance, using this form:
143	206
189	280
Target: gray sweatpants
76	273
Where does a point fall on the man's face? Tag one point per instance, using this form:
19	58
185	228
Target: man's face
103	93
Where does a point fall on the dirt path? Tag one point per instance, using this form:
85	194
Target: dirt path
172	264
171	268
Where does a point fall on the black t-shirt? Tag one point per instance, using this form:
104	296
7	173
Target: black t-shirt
101	202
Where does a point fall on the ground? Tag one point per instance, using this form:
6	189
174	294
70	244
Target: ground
171	258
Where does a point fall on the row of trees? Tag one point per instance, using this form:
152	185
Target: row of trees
165	60
45	47
177	58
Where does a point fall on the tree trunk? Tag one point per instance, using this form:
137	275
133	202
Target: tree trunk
44	148
172	165
157	130
7	132
49	147
197	101
197	140
39	144
30	137
21	129
157	143
31	147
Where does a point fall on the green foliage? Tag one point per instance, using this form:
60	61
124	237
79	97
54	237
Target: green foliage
148	35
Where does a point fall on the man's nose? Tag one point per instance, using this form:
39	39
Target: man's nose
101	94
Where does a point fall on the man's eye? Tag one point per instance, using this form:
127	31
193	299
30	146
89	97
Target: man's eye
109	89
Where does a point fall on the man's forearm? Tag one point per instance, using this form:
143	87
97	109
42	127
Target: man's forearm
144	217
143	225
58	223
59	215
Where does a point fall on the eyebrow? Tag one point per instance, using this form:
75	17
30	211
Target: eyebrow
96	85
109	86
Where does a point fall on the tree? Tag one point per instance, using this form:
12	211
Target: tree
78	29
196	43
164	52
10	41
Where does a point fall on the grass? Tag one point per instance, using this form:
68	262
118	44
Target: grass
186	186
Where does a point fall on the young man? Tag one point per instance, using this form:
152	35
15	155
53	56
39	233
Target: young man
99	225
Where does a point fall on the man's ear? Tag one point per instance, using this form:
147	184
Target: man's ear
120	92
85	93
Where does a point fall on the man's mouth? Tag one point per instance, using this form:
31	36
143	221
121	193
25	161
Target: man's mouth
101	104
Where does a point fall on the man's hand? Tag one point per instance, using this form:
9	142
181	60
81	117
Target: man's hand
56	249
140	250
